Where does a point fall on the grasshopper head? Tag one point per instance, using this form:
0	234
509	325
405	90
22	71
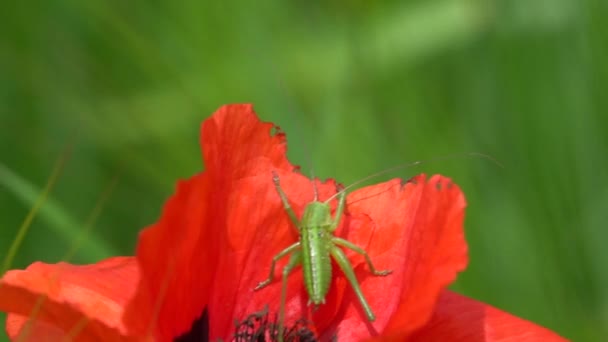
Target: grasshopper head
316	214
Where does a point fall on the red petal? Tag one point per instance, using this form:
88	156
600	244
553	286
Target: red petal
415	230
84	300
458	318
39	331
189	253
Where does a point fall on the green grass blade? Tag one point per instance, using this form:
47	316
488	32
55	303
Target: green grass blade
64	225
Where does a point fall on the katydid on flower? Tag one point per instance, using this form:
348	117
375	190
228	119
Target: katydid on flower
315	248
317	244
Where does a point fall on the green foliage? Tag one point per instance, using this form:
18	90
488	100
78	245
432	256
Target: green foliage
357	87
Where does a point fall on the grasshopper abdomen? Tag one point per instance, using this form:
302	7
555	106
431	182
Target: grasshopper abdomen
316	262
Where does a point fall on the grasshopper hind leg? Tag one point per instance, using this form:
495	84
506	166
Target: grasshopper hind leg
291	249
347	268
345	243
294	260
348	271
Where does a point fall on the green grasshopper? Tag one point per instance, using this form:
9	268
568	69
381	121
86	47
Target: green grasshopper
317	244
314	250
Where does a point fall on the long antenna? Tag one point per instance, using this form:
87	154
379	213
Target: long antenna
307	151
412	164
273	66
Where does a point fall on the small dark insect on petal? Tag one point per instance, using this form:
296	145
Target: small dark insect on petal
412	180
438	185
258	327
199	331
276	130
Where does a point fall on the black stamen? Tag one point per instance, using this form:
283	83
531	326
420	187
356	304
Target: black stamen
258	327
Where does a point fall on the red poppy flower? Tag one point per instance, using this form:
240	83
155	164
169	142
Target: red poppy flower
198	265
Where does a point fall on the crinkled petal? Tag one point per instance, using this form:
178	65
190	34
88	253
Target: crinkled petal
189	253
36	330
60	300
415	230
458	318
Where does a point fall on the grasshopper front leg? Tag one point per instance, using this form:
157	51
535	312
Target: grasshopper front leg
339	209
292	215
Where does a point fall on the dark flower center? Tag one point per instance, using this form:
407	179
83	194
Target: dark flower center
257	327
260	328
199	332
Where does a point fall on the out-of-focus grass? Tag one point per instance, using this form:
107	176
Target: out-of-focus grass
359	87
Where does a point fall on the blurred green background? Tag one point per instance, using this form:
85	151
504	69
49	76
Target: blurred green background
358	86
